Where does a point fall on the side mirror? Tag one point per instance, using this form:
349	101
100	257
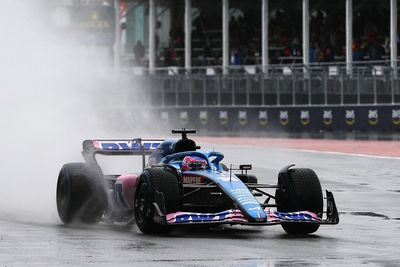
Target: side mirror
245	167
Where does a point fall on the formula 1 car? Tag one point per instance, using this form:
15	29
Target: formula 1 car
183	185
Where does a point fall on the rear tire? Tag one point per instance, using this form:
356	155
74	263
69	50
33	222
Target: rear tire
81	194
300	190
151	181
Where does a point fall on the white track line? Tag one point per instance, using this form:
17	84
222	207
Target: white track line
307	150
347	154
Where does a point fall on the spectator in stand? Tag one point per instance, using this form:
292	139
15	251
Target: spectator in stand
287	52
201	60
314	50
139	52
326	55
275	58
170	57
357	55
250	58
166	57
375	51
386	46
237	58
295	47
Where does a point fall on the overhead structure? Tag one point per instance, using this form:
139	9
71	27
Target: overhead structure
393	36
152	36
349	36
188	35
225	36
306	33
117	43
265	38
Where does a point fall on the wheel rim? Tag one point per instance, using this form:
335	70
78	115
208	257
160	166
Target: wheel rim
141	203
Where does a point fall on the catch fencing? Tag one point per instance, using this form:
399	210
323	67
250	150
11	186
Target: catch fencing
283	97
364	83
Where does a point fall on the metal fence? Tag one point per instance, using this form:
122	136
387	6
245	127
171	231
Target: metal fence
279	85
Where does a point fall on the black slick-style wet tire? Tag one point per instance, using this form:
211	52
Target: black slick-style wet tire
300	190
81	195
152	181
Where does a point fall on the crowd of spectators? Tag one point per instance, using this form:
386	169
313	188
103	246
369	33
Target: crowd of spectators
327	38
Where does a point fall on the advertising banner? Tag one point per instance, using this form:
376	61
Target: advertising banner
385	118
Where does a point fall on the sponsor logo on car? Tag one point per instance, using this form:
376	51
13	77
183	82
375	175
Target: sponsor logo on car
186	217
237	216
373	117
184	117
203	116
223	117
125	145
305	117
327	117
350	117
228	177
189	179
263	117
396	116
284	117
242	117
243	196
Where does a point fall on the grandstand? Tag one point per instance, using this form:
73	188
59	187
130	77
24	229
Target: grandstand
325	30
323	63
313	54
264	55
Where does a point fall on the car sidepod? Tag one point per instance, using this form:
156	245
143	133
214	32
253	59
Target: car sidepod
244	201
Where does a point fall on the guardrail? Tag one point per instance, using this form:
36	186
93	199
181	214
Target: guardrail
275	85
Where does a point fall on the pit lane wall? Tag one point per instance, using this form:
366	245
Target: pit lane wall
370	118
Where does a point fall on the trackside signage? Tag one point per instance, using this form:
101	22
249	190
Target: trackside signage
291	119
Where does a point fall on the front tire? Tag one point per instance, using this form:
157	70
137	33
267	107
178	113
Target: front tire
81	195
153	181
299	190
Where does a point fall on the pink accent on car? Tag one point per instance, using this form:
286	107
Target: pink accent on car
96	144
128	188
236	216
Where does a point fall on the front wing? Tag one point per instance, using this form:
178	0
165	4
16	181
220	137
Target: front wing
235	216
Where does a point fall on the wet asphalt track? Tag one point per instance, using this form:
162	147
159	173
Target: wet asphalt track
367	192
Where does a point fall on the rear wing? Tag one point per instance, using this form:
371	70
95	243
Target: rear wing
123	147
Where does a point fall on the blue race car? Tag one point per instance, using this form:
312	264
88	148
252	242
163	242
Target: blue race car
183	185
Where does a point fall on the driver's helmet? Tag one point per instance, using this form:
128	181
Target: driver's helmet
192	163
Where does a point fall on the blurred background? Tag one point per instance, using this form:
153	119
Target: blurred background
256	67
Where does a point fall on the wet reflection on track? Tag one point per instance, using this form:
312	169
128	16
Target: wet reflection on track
367	235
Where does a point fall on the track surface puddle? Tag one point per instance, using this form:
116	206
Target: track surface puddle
370	214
